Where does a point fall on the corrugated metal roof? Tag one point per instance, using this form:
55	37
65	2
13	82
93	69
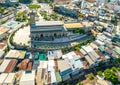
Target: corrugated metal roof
101	49
3	30
10	78
11	66
100	54
79	54
95	54
1	53
87	48
78	64
13	54
89	60
83	52
62	65
43	64
27	78
74	25
53	77
51	65
29	66
3	76
117	50
23	64
4	65
99	42
56	66
108	50
35	64
93	46
54	54
92	57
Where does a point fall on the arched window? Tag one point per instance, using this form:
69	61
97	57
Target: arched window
41	35
55	35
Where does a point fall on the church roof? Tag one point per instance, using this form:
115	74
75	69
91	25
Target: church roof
49	23
48	26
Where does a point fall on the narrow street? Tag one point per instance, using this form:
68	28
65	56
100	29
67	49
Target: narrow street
118	26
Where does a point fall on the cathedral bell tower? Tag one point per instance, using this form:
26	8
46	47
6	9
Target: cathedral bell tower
32	18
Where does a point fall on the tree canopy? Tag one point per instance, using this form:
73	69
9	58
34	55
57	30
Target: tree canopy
90	76
1	9
81	31
34	6
111	76
99	73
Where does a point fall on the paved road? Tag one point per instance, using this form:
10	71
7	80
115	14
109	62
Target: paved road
43	43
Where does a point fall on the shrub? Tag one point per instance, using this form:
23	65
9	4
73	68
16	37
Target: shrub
91	76
99	73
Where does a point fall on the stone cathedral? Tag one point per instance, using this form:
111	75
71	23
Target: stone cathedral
45	30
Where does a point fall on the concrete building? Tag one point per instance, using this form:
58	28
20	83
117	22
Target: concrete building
74	61
56	54
10	80
3	76
3	32
27	78
15	54
64	69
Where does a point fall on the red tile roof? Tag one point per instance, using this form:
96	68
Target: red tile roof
29	66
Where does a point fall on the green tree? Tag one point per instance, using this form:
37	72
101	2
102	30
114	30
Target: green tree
77	48
51	4
78	30
109	0
1	9
114	69
111	76
81	31
47	18
54	16
90	76
4	21
99	73
79	84
34	6
118	68
6	49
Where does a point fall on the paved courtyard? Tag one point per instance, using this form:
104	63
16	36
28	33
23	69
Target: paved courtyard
22	36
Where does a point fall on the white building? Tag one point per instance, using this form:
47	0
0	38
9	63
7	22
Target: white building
3	76
27	78
4	65
10	79
56	54
74	61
